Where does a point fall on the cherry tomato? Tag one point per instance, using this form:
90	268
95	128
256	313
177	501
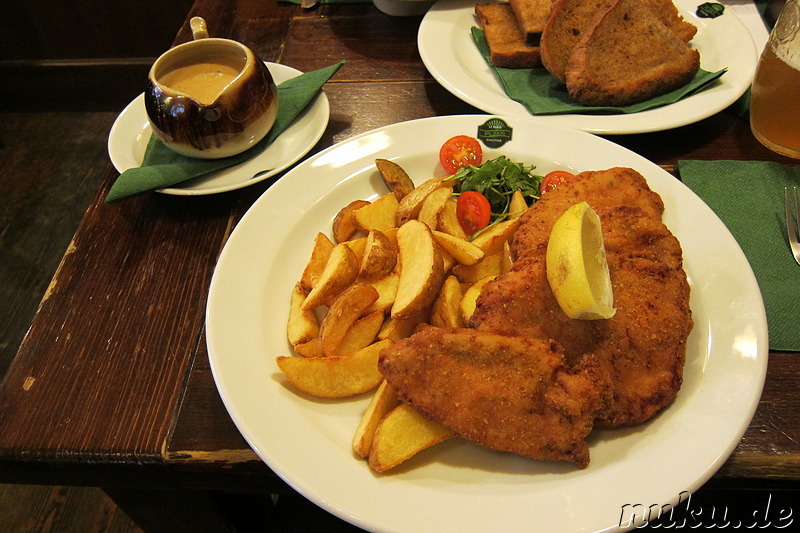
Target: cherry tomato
460	151
554	179
473	211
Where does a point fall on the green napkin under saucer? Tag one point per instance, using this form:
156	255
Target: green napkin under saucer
162	167
748	197
542	94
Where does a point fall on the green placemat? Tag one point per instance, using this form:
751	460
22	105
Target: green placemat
748	197
542	94
162	167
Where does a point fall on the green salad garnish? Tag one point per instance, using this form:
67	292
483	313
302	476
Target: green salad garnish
497	179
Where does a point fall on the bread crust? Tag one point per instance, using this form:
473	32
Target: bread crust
505	40
532	16
627	56
568	22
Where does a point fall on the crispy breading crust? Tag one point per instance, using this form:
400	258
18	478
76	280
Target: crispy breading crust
512	394
643	346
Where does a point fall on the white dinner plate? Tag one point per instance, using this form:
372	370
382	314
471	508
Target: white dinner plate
131	132
450	55
457	486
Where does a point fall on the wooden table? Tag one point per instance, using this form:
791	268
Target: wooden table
111	386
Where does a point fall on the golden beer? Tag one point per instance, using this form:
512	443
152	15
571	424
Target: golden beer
775	97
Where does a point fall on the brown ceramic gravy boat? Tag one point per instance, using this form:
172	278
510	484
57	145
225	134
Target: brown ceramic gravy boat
210	98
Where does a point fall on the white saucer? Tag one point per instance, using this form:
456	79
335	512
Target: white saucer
131	132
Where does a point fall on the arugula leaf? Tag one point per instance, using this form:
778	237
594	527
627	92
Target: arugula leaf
497	179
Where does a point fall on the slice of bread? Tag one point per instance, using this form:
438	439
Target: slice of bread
531	16
666	11
565	27
628	55
507	47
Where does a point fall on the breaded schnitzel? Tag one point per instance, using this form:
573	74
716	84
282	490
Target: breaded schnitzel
513	394
601	189
643	346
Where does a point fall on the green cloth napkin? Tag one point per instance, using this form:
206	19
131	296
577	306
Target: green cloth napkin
542	94
162	167
748	197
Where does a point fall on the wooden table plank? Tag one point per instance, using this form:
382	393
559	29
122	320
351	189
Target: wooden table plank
101	371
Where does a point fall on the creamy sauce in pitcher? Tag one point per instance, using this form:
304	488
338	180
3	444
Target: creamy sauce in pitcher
202	81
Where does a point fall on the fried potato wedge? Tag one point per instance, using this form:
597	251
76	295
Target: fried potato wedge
362	333
448	220
411	203
421	270
462	250
395	178
312	348
316	263
468	301
394	329
340	271
384	400
446	311
303	324
491	265
344	226
433	205
517	205
508	258
402	434
379	256
387	290
342	314
338	376
379	215
491	240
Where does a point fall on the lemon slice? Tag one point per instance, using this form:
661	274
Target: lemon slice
577	269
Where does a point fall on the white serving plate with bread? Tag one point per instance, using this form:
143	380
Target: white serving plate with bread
450	55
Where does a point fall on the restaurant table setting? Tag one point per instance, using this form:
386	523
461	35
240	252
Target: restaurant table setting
150	367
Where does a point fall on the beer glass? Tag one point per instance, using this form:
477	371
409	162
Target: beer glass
775	94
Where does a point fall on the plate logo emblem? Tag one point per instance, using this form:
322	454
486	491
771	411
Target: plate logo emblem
494	133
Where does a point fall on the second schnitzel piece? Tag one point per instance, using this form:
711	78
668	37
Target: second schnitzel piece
601	189
512	394
643	346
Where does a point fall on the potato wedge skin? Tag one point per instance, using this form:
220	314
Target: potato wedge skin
395	178
339	376
421	270
402	434
343	224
